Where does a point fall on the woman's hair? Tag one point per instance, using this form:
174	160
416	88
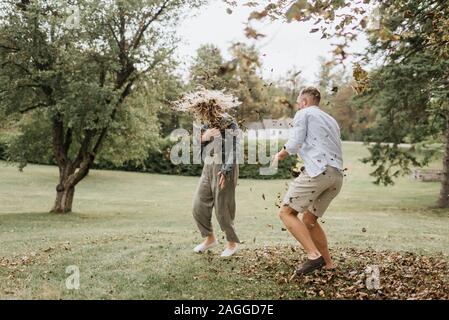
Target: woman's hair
208	106
209	113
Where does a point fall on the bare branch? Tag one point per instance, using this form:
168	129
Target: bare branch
83	151
113	34
58	141
17	65
39	105
68	140
9	48
144	26
104	131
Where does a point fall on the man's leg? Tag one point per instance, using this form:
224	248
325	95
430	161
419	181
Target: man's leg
299	230
319	207
318	237
302	193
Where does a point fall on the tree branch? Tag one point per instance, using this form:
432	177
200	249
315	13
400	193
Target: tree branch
144	26
156	61
113	34
39	105
9	48
79	175
122	31
83	151
58	141
17	65
104	131
68	140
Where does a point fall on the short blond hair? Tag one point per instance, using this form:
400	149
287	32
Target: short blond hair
312	92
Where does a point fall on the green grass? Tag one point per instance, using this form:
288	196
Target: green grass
131	234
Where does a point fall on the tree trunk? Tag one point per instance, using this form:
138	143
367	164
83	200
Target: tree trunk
443	202
64	200
69	176
64	190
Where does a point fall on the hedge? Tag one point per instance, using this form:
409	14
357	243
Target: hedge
158	162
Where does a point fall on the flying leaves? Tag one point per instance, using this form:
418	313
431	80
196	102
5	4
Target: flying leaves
335	19
361	79
251	4
258	15
296	11
252	33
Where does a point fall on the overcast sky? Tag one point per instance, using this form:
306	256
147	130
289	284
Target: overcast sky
285	46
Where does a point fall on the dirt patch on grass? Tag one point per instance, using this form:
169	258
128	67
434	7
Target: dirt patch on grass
401	275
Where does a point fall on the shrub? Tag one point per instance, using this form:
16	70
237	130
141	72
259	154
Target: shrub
158	161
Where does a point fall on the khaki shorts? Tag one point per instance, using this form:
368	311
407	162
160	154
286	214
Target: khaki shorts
314	194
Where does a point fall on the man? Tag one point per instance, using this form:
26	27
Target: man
315	136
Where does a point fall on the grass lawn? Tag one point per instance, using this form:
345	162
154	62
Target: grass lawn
132	234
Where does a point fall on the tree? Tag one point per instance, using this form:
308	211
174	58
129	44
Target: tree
291	85
210	70
162	89
241	76
410	90
249	85
74	76
337	93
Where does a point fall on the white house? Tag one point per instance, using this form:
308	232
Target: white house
269	129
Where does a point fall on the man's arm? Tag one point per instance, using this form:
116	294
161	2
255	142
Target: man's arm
297	136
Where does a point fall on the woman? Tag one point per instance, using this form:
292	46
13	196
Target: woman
216	189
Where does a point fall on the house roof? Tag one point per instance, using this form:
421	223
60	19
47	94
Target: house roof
277	123
254	126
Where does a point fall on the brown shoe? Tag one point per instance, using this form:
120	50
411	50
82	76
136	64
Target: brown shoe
310	265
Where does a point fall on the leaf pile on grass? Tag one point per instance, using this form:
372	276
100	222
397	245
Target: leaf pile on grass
402	275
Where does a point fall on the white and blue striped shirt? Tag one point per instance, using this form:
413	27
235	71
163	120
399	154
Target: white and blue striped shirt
315	136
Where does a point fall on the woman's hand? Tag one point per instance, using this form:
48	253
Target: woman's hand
209	133
222	180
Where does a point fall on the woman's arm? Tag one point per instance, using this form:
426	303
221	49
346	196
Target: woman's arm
228	164
208	134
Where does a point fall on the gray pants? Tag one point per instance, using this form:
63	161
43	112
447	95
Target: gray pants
209	195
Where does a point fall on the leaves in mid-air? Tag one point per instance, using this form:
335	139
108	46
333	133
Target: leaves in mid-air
252	33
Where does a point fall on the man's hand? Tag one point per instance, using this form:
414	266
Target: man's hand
281	155
222	180
209	133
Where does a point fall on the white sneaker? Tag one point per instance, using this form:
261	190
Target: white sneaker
202	247
229	252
